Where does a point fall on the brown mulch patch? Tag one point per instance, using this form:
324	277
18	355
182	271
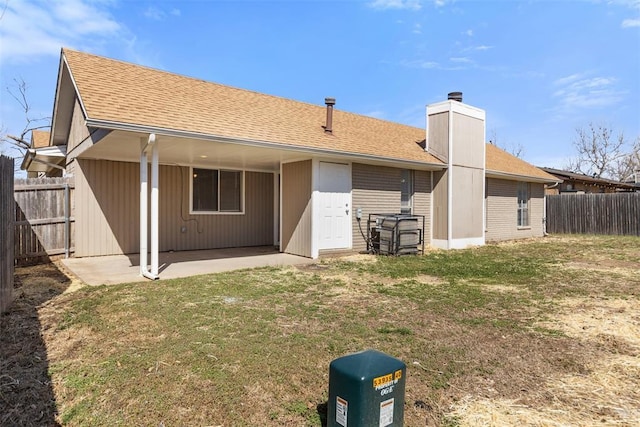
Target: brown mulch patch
26	393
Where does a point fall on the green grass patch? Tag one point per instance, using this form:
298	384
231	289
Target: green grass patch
253	347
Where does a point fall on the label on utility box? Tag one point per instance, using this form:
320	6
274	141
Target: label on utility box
386	413
341	411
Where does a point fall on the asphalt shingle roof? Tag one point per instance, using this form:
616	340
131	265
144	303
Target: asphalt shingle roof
121	92
500	161
39	138
125	93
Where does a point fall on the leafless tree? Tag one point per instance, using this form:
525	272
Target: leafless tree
602	154
628	165
16	146
513	149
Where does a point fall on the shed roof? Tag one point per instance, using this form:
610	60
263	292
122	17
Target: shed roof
586	179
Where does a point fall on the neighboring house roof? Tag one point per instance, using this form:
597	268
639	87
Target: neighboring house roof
586	179
119	92
114	93
501	163
39	138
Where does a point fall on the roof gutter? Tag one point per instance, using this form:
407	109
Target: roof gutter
517	177
105	124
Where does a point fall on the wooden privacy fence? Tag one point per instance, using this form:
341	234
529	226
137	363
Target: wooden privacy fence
6	232
44	222
609	214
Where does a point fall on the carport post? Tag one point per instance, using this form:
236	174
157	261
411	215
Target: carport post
154	209
143	207
144	217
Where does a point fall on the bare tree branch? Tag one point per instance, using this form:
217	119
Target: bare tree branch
599	153
516	150
18	144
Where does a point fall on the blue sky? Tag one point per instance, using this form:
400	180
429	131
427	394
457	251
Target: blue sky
540	69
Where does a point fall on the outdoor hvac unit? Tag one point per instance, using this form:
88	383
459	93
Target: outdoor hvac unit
395	234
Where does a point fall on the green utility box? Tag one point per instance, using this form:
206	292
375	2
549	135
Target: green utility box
366	389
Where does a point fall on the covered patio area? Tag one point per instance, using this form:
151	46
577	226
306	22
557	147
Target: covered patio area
115	269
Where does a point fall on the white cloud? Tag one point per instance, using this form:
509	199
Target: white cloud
578	91
34	28
461	60
154	13
469	33
630	23
396	4
419	63
458	64
417	29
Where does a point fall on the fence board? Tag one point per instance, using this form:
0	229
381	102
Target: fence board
609	214
43	221
6	233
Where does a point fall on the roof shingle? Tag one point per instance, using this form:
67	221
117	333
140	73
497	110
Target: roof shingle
500	161
39	138
121	92
124	93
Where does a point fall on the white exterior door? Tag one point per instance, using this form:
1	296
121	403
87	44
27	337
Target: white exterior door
335	206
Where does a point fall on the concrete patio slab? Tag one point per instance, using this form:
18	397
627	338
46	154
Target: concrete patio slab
126	268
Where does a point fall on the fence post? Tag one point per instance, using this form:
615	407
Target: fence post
67	224
7	213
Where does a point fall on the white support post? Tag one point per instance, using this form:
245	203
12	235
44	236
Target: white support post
154	209
143	208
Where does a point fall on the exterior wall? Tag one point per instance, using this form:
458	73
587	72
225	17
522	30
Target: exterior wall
440	206
422	201
296	208
467	203
377	189
572	187
78	131
107	211
502	211
438	138
468	143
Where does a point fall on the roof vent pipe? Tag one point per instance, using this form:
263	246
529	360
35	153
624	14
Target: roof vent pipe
330	102
455	96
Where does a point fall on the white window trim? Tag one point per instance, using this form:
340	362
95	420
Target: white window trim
242	192
412	182
528	187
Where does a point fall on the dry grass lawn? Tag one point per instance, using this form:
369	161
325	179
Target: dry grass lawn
544	332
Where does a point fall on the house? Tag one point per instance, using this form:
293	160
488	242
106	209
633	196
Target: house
48	160
236	168
573	182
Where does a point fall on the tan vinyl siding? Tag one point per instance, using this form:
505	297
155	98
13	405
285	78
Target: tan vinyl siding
438	135
467	203
108	213
502	210
468	144
296	208
440	206
377	189
422	200
78	131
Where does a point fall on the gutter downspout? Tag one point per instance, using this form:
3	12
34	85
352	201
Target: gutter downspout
144	216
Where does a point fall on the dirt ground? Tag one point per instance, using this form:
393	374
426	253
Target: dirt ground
603	338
